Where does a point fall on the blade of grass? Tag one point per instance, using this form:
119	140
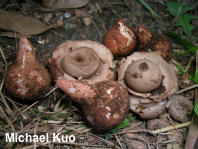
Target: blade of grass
184	42
190	50
149	8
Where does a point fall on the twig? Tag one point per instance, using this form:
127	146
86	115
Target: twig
171	128
132	131
35	134
103	25
118	141
127	129
2	96
58	103
97	30
141	19
104	140
30	106
6	130
5	67
168	116
186	89
24	117
189	63
51	91
9	111
7	119
20	132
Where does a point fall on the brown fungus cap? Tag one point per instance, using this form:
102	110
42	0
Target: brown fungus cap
153	42
120	39
88	61
27	79
105	104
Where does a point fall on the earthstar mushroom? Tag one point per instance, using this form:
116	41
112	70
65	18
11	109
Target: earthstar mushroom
88	61
150	42
120	39
27	79
148	102
105	104
143	75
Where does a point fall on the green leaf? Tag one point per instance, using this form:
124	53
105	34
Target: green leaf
123	124
177	9
196	76
80	126
107	136
196	109
183	41
180	69
132	118
67	25
184	21
190	76
149	8
190	50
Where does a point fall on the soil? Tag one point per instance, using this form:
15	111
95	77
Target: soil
74	29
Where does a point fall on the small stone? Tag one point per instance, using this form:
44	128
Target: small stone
180	107
154	124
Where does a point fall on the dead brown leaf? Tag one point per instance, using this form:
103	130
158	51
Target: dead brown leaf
15	21
65	3
13	35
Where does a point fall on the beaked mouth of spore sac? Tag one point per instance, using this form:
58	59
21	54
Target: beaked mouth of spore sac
56	137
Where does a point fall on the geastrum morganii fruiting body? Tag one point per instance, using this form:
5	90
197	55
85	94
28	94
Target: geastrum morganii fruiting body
121	39
150	80
87	61
27	79
105	104
154	42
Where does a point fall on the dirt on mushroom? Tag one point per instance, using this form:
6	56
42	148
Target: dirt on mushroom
105	104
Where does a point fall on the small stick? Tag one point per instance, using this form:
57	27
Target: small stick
30	106
118	141
171	128
51	91
104	140
189	63
35	133
186	89
24	117
7	119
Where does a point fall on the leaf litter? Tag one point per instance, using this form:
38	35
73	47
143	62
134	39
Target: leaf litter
17	22
21	119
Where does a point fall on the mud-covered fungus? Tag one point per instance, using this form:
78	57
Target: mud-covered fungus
150	80
153	42
87	61
27	79
105	104
120	39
